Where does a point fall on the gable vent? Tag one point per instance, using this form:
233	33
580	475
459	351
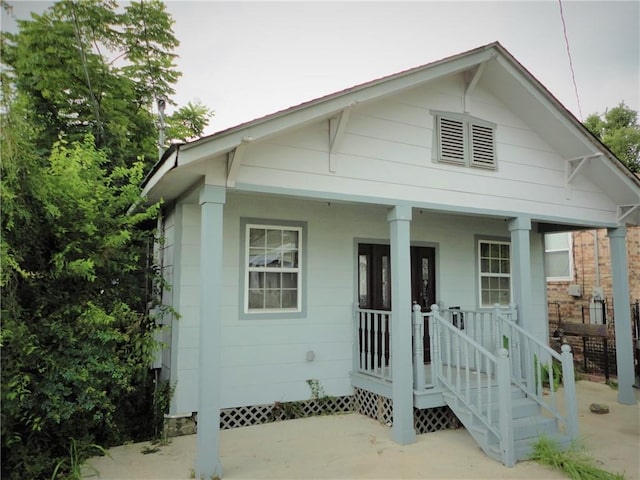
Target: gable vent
464	140
452	140
482	146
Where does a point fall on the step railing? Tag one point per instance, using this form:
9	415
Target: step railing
538	370
481	325
470	372
372	346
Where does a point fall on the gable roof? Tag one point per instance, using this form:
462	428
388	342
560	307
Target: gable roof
506	77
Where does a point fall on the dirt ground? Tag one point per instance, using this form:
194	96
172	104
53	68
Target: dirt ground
352	446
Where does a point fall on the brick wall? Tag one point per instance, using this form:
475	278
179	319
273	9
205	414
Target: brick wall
585	274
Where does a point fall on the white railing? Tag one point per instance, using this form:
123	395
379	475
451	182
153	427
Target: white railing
538	370
462	343
478	378
479	325
372	348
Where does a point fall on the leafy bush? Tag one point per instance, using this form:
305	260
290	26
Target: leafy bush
76	341
542	369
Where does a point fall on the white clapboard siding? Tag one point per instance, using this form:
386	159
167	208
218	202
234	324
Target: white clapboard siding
387	146
264	361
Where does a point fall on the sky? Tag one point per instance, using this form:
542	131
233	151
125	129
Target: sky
248	59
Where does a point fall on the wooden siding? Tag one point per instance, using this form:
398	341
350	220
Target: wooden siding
166	254
185	337
264	361
386	151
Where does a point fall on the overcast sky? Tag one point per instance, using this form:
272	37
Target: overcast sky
248	59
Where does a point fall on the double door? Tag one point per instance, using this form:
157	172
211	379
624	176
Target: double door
374	280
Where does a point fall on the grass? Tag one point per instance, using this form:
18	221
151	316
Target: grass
575	462
73	468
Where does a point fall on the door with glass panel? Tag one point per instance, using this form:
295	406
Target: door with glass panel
374	282
423	288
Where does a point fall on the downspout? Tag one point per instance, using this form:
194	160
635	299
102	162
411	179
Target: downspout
161	126
597	296
596	257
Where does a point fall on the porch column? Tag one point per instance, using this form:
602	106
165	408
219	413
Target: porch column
208	464
402	431
520	229
622	314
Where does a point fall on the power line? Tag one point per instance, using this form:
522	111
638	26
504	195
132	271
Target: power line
573	75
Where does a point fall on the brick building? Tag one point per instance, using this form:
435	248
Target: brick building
579	285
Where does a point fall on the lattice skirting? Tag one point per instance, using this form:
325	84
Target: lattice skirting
257	414
373	405
366	403
381	408
434	419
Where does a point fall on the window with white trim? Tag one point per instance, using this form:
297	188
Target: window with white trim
464	140
273	276
557	256
495	272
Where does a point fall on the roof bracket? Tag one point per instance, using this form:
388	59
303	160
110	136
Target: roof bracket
574	166
471	80
234	160
337	126
625	210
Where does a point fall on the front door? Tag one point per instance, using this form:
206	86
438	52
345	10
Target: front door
423	287
374	280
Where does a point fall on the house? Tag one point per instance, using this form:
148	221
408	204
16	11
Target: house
332	241
580	291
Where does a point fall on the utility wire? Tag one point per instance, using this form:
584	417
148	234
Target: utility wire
573	75
83	59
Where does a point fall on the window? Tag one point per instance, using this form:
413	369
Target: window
495	272
273	268
557	256
464	140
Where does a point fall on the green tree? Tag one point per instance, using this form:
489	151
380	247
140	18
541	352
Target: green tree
87	68
76	342
76	128
619	130
188	122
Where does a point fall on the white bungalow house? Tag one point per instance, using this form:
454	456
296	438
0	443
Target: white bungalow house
387	242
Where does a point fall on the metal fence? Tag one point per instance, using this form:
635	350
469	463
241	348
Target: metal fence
599	351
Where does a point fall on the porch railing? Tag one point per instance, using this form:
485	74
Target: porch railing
462	359
481	326
467	349
538	370
477	377
372	348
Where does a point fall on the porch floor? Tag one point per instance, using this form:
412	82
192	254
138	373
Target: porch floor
384	374
378	381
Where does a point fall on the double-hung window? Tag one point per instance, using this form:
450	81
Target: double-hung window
557	256
273	268
495	272
464	140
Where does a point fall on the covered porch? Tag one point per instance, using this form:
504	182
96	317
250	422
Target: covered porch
506	399
419	362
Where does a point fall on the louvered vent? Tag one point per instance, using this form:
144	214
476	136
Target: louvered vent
482	146
452	141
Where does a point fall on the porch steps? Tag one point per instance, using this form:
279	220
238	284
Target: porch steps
528	424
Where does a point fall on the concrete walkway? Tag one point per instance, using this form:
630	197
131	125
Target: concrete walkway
352	446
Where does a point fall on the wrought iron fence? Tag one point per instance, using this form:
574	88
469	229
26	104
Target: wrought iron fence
598	350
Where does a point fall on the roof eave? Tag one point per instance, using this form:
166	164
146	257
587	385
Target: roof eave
590	137
168	162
